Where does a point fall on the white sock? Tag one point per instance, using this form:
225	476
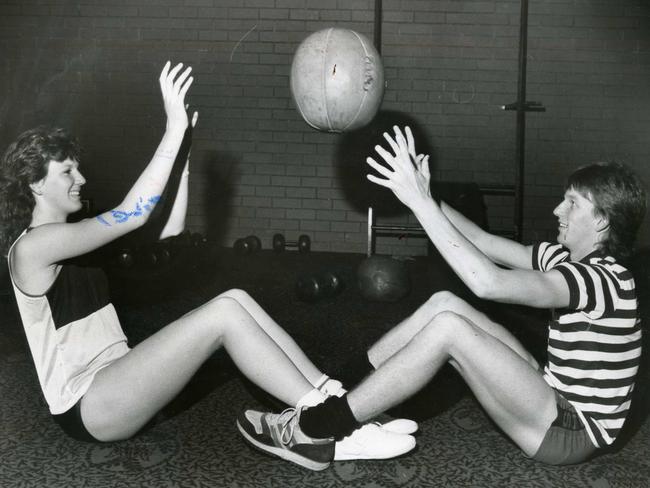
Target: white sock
311	398
333	388
321	381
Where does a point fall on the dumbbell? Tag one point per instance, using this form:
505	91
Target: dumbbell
163	254
248	245
311	288
124	258
303	243
198	239
147	257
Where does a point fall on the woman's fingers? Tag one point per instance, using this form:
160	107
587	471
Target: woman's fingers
167	83
164	72
172	74
186	87
195	117
178	83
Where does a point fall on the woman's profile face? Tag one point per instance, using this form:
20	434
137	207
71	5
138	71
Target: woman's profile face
61	187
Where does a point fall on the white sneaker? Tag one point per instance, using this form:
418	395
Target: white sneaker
371	441
401	426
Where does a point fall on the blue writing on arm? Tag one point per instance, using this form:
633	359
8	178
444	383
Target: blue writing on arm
138	209
151	203
121	216
103	220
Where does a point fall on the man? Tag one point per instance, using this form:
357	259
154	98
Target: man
560	414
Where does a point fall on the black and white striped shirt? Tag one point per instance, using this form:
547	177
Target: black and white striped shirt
594	345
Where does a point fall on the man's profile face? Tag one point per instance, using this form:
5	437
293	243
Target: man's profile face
577	229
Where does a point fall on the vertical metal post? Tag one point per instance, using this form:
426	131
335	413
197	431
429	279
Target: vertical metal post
520	148
377	36
377	40
371	244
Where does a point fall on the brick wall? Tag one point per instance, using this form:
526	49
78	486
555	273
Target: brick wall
257	168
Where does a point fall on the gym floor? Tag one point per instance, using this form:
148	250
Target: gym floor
197	444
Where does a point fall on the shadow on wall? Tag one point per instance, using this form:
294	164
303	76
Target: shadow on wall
218	171
352	169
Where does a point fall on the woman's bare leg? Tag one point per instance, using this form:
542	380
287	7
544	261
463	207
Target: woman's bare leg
126	394
278	334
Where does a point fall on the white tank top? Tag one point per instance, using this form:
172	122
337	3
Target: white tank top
72	330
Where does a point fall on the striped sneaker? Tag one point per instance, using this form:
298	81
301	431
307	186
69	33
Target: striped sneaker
281	435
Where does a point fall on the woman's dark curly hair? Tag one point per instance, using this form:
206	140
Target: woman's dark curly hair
617	194
26	161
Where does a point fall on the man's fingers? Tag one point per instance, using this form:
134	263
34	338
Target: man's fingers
400	139
425	166
388	157
379	168
379	181
391	142
410	142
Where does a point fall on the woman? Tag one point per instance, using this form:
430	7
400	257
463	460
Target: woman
97	388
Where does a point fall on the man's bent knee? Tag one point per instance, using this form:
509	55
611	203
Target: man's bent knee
443	301
445	327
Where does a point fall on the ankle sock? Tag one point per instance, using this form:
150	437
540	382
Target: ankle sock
332	418
321	381
313	397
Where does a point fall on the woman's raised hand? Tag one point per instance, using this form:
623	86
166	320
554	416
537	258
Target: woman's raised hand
174	87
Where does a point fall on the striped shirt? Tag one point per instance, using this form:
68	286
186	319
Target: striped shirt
594	345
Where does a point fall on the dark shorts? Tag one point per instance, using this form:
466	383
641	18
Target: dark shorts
566	440
73	425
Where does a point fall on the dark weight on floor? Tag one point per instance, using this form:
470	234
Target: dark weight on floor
248	245
198	239
311	288
163	254
280	243
125	258
383	279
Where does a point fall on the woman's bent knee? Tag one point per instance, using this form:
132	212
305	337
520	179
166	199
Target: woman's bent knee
236	294
223	303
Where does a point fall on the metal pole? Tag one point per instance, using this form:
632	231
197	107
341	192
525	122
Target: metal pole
377	37
520	148
371	244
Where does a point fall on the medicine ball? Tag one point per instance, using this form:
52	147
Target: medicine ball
383	279
337	80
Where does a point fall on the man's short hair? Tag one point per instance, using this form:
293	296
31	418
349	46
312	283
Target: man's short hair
618	195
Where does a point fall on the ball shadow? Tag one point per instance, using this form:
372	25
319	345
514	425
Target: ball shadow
351	167
218	169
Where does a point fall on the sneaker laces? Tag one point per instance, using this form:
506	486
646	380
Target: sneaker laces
288	425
